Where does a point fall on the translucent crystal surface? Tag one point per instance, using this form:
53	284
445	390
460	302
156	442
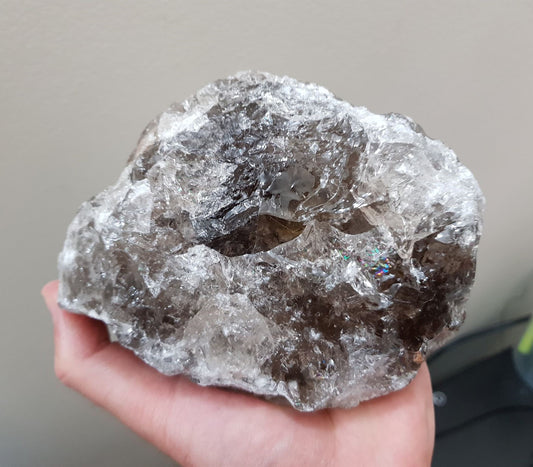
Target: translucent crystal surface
268	236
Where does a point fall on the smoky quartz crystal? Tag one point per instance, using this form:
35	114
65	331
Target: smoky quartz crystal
270	237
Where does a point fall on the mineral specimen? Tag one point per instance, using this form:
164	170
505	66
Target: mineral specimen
270	237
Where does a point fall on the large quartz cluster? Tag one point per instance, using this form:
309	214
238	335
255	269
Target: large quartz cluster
270	237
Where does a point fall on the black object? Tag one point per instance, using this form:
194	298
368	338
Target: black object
484	416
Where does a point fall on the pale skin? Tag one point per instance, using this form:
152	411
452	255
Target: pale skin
200	426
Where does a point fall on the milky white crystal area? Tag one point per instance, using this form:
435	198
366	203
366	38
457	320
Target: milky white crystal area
270	237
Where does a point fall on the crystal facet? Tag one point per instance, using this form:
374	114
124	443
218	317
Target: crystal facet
270	237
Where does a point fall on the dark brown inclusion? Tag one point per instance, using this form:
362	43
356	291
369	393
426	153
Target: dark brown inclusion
260	233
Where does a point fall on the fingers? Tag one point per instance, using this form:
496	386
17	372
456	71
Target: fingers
425	388
414	423
403	420
186	421
109	375
76	336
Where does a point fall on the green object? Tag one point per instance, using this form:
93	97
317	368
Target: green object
523	355
526	343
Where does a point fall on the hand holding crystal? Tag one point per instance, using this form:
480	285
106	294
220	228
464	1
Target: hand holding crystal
210	426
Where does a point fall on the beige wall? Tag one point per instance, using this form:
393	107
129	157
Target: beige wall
79	80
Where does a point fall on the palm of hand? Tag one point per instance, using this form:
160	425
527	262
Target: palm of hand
208	426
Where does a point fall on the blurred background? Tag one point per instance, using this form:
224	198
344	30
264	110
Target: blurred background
80	80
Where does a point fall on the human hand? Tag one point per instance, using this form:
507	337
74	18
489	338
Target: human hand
198	425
